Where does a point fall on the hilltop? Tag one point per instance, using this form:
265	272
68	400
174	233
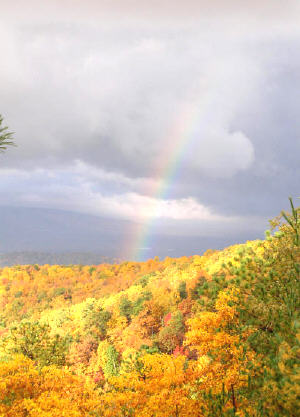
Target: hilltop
210	335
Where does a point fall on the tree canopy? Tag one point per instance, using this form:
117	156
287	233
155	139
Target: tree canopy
6	137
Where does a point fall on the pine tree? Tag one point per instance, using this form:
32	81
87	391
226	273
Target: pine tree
6	138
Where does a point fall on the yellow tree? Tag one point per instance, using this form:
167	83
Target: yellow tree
218	342
156	385
51	392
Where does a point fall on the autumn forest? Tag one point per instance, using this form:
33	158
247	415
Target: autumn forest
149	249
200	336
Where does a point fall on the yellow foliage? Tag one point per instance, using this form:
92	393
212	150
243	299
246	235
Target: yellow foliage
24	391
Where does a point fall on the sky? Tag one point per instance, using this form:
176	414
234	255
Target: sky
180	117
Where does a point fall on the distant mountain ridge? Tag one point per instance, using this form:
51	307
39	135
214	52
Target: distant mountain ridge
43	258
38	235
49	230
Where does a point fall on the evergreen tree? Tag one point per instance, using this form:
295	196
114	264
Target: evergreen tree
112	366
34	340
182	290
6	138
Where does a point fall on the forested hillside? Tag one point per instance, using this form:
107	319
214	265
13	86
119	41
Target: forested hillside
203	336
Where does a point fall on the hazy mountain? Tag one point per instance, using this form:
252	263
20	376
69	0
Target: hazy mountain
33	235
48	230
63	258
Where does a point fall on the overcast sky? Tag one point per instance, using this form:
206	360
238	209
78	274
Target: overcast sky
112	101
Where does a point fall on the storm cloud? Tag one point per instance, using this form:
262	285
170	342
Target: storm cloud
105	96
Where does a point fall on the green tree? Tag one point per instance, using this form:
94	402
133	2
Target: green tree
269	307
112	365
96	319
125	308
34	340
182	290
172	334
6	138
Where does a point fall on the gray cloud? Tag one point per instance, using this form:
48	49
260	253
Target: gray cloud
135	88
118	103
72	190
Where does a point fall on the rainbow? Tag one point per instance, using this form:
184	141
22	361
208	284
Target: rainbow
166	169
